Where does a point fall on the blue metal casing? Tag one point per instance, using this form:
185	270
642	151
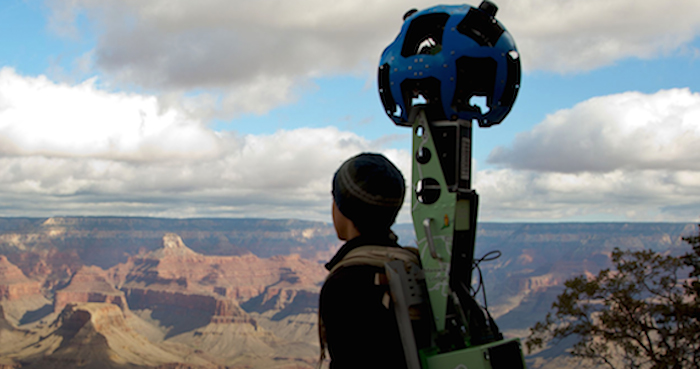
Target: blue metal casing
448	54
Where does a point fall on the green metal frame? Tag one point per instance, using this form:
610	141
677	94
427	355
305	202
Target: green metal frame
442	215
433	221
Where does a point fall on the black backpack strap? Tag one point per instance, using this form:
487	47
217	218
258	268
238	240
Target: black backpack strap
377	256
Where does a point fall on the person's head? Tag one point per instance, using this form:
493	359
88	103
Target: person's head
368	191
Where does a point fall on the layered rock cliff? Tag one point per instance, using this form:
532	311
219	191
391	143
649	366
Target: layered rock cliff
107	241
242	293
14	285
171	294
90	284
175	276
96	335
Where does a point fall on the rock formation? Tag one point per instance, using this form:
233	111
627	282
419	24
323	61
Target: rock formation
174	276
18	294
89	284
14	285
210	293
107	241
96	335
166	297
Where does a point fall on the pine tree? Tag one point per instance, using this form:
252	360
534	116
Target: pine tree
643	313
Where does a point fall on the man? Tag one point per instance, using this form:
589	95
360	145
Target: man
357	320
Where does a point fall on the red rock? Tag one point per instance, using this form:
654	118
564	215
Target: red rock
14	285
179	277
89	284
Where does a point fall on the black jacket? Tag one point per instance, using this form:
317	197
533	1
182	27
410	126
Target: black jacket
360	331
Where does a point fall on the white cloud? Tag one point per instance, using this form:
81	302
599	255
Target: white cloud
258	96
40	117
252	54
647	195
76	149
632	131
226	47
626	156
579	35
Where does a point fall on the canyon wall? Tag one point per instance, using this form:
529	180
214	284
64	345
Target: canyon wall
210	293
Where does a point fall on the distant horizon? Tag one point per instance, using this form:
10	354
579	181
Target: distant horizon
330	223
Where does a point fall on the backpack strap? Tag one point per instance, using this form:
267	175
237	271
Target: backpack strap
377	256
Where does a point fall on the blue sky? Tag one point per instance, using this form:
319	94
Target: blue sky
245	109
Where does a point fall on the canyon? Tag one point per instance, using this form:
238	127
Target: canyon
110	292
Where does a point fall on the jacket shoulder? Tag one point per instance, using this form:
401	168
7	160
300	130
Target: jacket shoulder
377	256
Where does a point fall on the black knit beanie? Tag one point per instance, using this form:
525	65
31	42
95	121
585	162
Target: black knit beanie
368	189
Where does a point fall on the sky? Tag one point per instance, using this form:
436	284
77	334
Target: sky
238	108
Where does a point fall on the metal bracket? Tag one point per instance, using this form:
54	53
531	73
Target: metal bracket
427	223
